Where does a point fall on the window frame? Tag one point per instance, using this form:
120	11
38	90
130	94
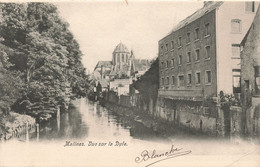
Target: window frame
173	62
237	46
196	78
180	60
172	45
179	42
181	75
206	77
173	80
188	41
253	7
189	79
197	56
189	57
240	26
207	27
208	53
197	36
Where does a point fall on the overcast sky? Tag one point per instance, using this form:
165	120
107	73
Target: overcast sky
100	26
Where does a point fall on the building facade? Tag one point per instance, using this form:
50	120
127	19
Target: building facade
200	58
250	78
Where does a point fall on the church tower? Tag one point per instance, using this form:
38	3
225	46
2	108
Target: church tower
120	57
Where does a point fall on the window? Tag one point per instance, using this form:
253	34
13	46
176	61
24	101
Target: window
207	52
236	51
197	58
118	58
188	37
250	6
161	64
173	80
166	46
161	48
167	80
188	57
167	64
180	59
208	77
207	29
181	81
236	81
162	81
172	44
236	26
123	57
198	78
179	41
189	79
197	33
172	62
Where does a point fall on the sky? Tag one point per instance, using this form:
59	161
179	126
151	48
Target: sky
100	26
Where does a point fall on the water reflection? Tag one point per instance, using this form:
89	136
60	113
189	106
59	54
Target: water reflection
87	119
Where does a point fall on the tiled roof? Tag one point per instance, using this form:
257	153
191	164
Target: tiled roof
208	7
104	64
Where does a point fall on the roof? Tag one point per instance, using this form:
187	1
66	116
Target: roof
121	48
104	83
104	64
208	7
253	35
141	64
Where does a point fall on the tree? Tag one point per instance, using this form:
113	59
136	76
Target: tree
148	83
10	84
46	55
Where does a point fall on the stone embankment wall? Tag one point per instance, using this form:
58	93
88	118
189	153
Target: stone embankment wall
208	117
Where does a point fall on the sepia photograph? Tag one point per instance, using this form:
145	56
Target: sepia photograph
129	83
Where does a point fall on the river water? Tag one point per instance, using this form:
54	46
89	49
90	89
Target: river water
88	119
87	122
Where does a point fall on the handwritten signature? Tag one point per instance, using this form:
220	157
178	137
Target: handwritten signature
174	152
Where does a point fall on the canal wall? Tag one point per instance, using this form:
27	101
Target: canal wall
207	117
193	116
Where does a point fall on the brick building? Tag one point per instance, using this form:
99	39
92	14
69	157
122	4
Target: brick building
200	58
250	77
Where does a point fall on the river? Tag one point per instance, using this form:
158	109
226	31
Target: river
88	119
88	122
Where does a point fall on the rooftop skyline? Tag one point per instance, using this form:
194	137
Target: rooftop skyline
100	26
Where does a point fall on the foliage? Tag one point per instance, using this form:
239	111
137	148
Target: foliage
46	55
10	84
227	100
148	83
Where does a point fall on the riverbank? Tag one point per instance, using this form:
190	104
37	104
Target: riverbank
157	125
14	125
